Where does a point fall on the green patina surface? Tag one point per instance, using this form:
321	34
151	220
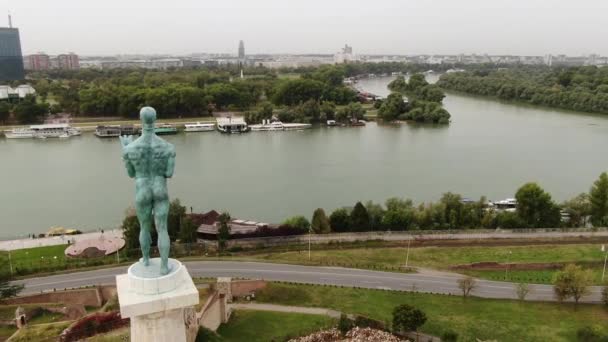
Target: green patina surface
150	160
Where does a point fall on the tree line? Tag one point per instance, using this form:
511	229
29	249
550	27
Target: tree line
535	209
423	104
582	88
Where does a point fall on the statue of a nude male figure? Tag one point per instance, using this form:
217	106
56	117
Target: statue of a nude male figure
150	160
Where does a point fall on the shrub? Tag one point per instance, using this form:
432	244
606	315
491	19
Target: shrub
449	336
344	324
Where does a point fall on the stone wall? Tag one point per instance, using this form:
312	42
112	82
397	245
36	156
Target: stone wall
214	312
242	288
87	297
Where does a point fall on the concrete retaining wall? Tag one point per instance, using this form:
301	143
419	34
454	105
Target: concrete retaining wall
242	288
471	234
88	297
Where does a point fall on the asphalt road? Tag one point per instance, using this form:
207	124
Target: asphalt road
424	281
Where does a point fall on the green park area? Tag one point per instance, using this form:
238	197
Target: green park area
472	318
443	258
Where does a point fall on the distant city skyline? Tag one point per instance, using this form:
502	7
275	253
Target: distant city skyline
390	27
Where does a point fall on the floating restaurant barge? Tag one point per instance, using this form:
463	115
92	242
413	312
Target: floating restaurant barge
116	131
43	132
232	125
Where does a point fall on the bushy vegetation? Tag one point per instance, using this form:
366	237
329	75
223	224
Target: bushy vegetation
424	104
576	88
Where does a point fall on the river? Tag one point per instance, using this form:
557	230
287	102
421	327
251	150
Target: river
490	148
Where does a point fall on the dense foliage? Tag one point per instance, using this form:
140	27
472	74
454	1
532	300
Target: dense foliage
407	318
424	104
576	88
572	282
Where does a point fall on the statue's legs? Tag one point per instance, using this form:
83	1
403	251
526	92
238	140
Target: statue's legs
161	213
143	207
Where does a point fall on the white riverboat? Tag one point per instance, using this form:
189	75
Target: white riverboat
232	125
199	127
19	133
266	125
43	131
107	131
279	126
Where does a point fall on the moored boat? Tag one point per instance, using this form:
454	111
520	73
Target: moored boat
107	131
266	125
165	129
232	125
19	133
199	127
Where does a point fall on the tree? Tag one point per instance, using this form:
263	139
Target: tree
328	110
175	218
417	81
7	289
187	231
293	92
5	109
344	324
605	296
298	222
466	285
339	220
376	212
522	291
536	208
407	318
573	281
449	336
598	196
359	218
578	209
392	107
320	223
28	111
223	231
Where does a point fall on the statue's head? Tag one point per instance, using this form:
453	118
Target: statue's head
148	117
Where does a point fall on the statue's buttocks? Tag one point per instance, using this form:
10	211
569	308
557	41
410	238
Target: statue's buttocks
150	160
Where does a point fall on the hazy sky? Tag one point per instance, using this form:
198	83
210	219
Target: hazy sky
520	27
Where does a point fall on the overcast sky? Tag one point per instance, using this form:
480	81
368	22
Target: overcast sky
519	27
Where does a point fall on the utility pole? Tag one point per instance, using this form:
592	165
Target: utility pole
10	262
309	237
507	265
407	255
605	259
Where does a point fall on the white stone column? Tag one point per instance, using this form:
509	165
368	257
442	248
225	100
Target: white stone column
155	304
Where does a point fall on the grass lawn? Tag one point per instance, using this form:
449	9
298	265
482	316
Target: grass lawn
118	335
41	332
48	259
263	326
502	320
7	312
444	257
6	332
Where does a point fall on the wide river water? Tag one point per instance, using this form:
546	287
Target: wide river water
490	148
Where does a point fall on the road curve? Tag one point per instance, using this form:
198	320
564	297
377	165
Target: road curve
424	281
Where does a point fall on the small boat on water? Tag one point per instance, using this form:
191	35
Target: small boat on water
107	131
232	125
199	127
266	125
165	129
43	131
332	123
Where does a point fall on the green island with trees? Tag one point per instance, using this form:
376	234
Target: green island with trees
582	88
314	95
423	105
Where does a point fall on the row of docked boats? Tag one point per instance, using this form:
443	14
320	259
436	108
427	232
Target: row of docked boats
61	131
268	125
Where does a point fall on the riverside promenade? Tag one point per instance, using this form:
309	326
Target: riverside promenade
11	245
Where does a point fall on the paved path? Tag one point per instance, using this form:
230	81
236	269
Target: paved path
429	282
285	308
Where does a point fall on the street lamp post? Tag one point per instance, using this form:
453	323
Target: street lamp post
407	254
507	266
309	237
605	259
10	262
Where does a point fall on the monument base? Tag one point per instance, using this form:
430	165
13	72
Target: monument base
155	304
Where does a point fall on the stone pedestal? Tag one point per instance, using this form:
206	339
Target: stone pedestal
155	304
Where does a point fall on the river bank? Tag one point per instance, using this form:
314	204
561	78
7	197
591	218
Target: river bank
15	244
